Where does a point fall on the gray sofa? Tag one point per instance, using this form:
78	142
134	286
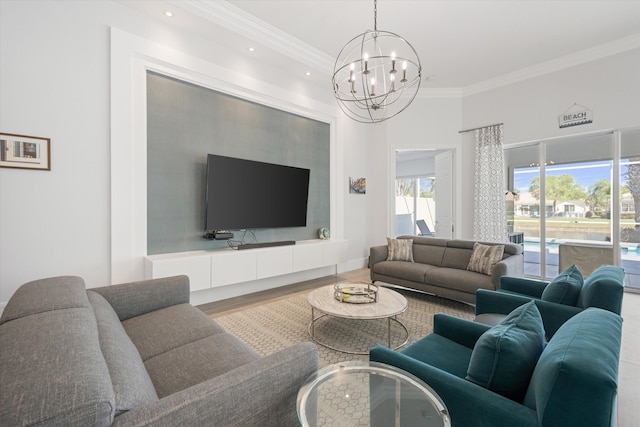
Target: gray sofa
136	354
440	268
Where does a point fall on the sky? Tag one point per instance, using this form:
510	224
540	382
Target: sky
585	174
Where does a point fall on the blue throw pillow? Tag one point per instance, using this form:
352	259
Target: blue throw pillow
504	357
565	288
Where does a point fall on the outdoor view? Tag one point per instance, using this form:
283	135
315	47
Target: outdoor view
578	210
578	219
415	202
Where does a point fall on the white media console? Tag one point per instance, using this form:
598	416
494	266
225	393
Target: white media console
222	267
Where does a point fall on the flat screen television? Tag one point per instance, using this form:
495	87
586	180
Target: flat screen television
245	194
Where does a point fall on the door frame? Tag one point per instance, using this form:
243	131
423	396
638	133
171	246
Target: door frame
457	179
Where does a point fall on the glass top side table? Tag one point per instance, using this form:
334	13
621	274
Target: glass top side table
369	394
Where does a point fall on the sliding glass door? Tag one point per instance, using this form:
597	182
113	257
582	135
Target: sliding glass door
630	207
523	220
573	200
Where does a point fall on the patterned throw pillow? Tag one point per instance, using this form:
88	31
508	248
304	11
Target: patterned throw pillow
399	249
485	257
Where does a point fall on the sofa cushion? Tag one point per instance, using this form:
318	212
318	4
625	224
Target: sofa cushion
52	371
578	370
456	258
441	352
505	356
131	383
400	250
163	330
430	252
39	296
484	257
407	270
603	289
198	361
564	288
459	280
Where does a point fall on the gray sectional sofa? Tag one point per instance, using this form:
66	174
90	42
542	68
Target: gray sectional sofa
440	268
136	354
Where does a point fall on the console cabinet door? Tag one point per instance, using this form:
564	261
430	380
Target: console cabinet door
198	268
274	261
233	267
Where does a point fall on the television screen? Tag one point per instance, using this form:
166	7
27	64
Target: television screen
243	194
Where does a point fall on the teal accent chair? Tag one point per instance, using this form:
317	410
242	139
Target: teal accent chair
603	288
573	384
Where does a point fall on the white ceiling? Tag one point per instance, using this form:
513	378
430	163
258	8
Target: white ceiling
464	44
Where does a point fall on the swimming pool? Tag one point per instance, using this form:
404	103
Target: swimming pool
628	251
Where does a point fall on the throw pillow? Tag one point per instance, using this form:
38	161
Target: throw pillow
504	357
485	257
399	249
565	288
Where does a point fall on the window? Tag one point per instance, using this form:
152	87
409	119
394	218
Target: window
573	178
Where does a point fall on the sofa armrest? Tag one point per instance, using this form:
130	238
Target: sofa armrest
553	315
498	302
377	254
260	393
521	285
137	298
468	404
461	331
510	266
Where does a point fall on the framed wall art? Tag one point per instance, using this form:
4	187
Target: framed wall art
357	185
25	152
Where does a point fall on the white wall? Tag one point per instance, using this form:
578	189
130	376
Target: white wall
55	83
609	86
357	150
428	123
529	109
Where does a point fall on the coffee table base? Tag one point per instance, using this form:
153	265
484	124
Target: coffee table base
314	319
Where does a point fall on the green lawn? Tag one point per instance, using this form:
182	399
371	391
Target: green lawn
571	223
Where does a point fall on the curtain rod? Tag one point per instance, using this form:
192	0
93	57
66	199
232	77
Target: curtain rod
469	130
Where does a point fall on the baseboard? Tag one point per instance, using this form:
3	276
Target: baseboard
237	289
353	264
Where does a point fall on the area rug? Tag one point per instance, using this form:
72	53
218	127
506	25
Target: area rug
275	325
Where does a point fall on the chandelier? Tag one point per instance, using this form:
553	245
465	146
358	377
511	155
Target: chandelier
376	75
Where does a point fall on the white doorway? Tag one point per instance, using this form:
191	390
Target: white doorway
444	194
424	185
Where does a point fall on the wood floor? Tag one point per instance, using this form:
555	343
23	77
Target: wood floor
222	308
629	371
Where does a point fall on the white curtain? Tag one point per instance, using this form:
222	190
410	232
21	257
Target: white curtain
489	211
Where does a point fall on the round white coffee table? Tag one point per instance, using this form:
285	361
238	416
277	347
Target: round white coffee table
388	306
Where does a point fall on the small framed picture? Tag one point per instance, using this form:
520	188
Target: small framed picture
357	185
25	152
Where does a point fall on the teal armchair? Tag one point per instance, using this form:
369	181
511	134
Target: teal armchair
574	381
603	289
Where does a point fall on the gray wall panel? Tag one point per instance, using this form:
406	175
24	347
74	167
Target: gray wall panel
186	122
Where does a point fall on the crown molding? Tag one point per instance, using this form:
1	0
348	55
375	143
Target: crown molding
234	19
443	92
568	61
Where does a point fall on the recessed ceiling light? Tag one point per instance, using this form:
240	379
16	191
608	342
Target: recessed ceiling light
252	49
308	73
168	13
